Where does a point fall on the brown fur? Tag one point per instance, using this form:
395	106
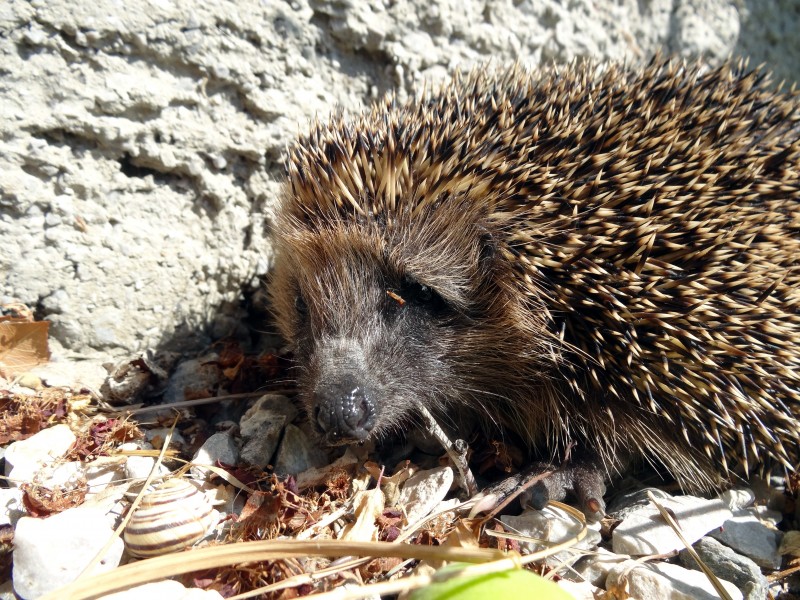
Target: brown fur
609	257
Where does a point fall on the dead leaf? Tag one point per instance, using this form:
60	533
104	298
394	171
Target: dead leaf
23	345
41	501
368	506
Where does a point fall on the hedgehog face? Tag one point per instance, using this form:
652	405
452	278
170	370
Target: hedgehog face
377	315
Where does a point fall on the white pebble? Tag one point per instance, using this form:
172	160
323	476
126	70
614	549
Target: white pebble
52	552
664	581
644	531
164	589
424	491
26	457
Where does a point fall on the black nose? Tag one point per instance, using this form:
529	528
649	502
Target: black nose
344	411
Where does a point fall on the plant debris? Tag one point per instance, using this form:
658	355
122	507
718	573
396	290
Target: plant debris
23	341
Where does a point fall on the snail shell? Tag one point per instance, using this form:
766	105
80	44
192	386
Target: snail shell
170	518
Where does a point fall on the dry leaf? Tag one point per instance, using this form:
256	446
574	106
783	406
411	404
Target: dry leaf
23	345
368	507
41	501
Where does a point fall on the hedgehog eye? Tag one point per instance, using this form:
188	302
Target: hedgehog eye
300	305
413	292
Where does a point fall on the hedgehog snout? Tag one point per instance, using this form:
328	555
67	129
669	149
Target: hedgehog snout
344	410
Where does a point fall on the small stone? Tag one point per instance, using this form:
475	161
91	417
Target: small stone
424	491
26	457
137	468
728	565
643	530
664	581
261	428
219	448
195	378
30	381
52	552
129	379
296	453
61	475
745	533
551	525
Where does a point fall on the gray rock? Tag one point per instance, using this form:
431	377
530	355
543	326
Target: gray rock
49	553
261	428
643	531
663	581
727	564
296	453
750	536
220	447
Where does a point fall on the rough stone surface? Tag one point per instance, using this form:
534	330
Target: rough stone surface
579	590
423	491
748	535
141	149
730	566
663	581
738	499
643	530
261	428
73	374
49	553
297	453
220	447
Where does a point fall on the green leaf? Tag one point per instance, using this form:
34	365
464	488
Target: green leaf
516	583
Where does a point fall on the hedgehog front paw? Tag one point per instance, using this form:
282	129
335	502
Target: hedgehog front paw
586	482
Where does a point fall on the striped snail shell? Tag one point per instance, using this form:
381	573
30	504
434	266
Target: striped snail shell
170	518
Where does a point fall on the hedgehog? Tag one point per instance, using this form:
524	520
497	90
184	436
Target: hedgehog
593	257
